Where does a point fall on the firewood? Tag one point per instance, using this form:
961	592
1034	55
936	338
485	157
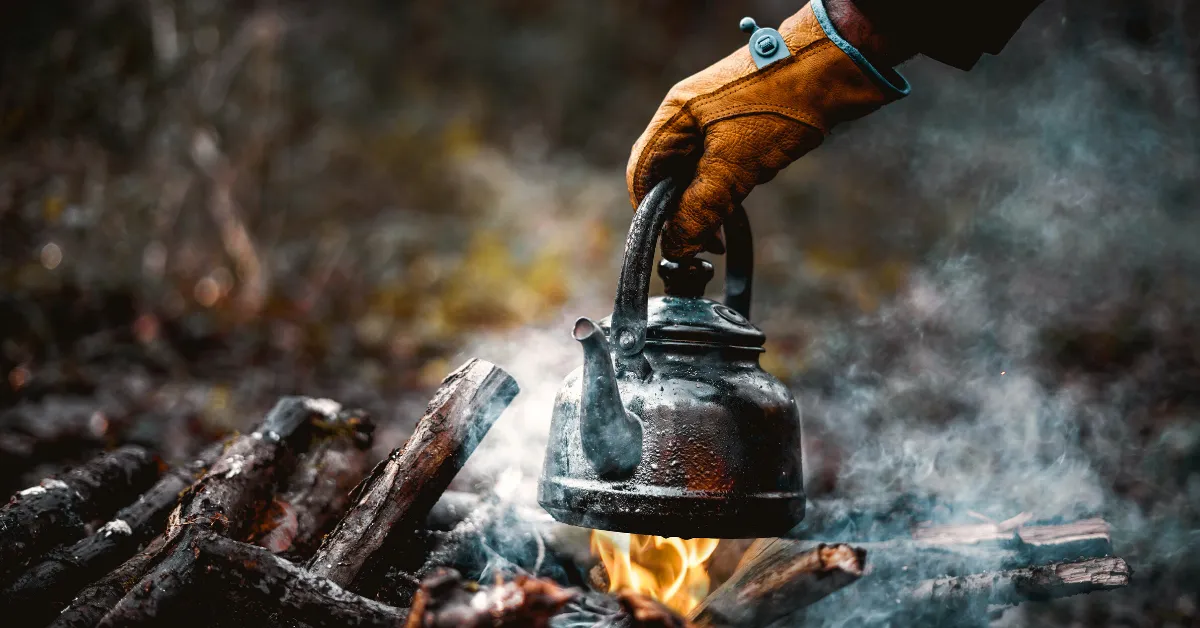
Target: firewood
936	551
207	566
1013	586
447	601
318	491
228	499
55	512
778	577
43	590
96	599
401	491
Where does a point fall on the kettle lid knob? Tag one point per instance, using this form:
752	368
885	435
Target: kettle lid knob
685	278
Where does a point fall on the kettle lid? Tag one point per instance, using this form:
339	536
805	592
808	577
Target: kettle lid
699	320
684	315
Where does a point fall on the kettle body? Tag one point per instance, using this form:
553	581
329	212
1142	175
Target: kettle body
671	427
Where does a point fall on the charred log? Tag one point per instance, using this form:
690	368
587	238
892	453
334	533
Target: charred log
778	577
42	517
95	600
318	491
43	590
400	492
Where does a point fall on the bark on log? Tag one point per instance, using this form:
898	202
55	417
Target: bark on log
55	512
402	490
227	500
1013	586
318	491
778	577
43	590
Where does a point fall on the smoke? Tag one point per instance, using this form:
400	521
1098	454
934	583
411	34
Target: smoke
1037	353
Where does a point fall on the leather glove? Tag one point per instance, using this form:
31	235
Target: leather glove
733	126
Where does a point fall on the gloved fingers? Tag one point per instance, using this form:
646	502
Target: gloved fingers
663	150
739	154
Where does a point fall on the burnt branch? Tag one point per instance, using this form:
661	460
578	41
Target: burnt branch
778	577
400	492
43	590
55	512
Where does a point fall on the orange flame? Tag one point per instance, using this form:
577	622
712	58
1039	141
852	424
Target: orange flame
670	570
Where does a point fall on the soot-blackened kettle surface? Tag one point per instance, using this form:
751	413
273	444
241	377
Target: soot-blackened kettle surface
671	427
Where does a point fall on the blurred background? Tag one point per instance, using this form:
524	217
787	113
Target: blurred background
985	293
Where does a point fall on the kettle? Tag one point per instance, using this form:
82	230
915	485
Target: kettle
671	427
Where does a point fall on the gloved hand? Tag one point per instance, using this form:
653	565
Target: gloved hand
732	126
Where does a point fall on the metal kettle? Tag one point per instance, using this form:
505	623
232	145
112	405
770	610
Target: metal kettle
671	427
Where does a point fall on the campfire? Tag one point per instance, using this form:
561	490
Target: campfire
272	524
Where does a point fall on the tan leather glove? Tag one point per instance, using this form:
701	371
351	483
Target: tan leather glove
733	126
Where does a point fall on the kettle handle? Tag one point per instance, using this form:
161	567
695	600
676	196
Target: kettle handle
633	287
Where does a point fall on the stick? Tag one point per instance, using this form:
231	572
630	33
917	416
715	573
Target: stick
401	491
1013	586
778	577
318	491
42	517
43	590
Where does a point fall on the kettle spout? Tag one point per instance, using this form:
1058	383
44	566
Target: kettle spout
611	436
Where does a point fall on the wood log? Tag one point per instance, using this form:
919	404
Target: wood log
228	499
778	577
207	566
43	590
96	599
55	512
956	550
401	491
447	601
318	491
1013	586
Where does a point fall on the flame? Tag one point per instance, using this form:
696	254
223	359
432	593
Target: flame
670	570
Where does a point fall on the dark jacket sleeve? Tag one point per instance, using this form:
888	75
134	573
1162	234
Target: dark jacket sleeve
954	32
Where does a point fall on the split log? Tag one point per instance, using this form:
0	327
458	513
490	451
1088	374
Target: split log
447	601
401	490
43	590
55	512
953	550
318	491
228	499
1013	586
778	577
